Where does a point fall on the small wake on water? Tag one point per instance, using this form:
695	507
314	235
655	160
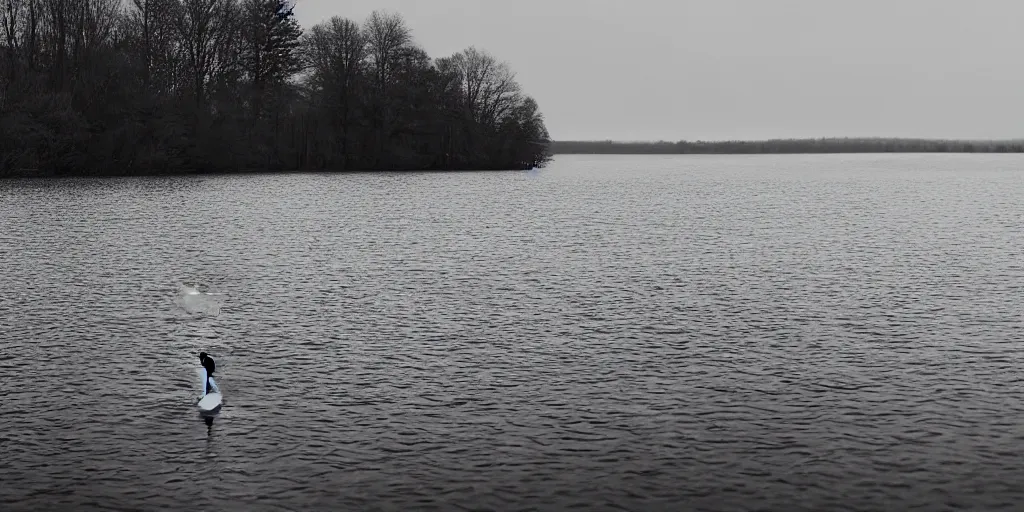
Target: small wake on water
193	300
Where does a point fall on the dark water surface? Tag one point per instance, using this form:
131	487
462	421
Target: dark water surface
610	333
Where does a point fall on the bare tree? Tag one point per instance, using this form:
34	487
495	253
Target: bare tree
386	35
19	30
95	21
58	16
152	31
145	19
336	52
30	34
488	87
204	29
11	17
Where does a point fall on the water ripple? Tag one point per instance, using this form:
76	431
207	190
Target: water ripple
614	333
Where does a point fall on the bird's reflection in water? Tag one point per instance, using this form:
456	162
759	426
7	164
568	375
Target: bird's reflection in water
208	419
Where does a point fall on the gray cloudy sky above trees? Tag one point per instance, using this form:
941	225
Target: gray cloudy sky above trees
746	69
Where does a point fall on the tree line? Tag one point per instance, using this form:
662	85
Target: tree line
133	87
789	146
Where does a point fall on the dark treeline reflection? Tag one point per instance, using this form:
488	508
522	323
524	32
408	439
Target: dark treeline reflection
789	146
145	86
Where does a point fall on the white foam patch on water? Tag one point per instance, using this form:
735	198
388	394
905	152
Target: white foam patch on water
195	301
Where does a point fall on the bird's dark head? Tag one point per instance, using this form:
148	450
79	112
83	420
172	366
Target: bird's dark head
202	356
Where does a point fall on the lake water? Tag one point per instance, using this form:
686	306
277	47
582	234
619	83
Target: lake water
610	333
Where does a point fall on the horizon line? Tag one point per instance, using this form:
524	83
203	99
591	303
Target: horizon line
787	139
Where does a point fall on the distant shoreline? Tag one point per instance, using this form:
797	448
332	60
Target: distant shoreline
36	174
786	146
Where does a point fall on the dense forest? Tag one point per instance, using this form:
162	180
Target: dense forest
789	146
133	87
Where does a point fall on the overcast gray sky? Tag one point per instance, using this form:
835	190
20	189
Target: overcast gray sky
740	69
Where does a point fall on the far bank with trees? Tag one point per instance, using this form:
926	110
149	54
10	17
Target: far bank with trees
788	146
150	86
